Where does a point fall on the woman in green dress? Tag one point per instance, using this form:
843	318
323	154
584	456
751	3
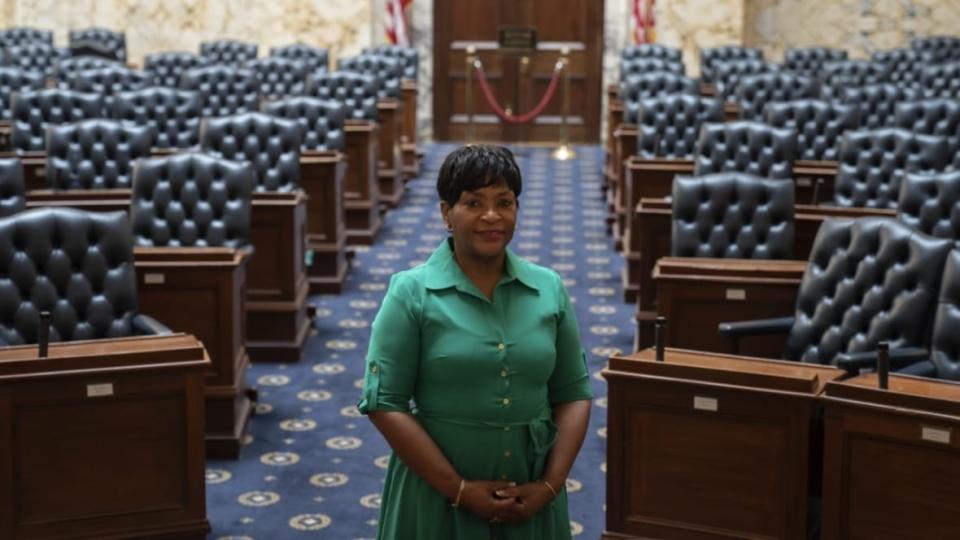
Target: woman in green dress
475	375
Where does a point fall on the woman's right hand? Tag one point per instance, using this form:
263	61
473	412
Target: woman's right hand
479	497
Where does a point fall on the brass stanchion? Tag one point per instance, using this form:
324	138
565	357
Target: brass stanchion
564	151
468	72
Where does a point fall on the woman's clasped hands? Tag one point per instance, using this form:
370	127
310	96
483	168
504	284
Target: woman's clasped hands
505	502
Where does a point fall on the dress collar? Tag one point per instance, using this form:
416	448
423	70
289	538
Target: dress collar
443	271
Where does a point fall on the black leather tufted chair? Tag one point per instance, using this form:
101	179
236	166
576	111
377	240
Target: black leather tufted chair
835	77
315	58
173	114
16	36
710	56
407	56
807	61
668	125
33	111
223	90
941	81
904	65
165	69
930	203
732	215
388	71
871	164
35	56
749	147
95	154
12	190
191	200
108	81
876	102
945	345
228	52
939	117
321	121
16	80
642	66
755	91
652	50
270	144
279	76
818	124
727	74
941	48
869	280
78	266
115	42
358	91
67	68
635	88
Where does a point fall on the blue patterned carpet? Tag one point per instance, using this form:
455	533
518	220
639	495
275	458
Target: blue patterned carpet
312	467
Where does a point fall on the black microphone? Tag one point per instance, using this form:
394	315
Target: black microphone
883	364
43	340
659	331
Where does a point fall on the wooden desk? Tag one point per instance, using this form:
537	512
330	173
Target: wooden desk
710	446
891	460
322	175
6	132
615	114
731	111
814	181
408	137
624	147
390	164
103	439
697	294
202	291
361	195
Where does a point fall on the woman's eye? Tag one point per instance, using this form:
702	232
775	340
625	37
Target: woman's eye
506	203
472	204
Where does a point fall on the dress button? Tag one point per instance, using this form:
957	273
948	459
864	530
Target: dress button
503	373
373	369
506	453
501	346
506	401
506	428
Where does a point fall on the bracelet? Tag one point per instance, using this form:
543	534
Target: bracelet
549	487
456	502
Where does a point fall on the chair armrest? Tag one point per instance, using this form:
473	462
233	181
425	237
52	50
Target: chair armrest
899	359
780	325
145	325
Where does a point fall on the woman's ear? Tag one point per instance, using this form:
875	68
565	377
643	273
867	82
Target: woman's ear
445	214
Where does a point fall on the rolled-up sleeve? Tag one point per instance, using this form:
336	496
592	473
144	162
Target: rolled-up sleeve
394	351
570	380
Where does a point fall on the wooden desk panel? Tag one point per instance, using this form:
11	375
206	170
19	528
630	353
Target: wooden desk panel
626	146
361	195
322	175
91	200
709	446
202	291
408	138
390	164
125	464
891	459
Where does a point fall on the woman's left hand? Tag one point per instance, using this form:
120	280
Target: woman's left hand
528	499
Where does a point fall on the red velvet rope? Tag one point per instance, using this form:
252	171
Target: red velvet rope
522	119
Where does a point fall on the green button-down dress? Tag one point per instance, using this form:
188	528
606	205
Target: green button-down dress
482	376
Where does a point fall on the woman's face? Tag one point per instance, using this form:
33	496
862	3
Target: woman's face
482	221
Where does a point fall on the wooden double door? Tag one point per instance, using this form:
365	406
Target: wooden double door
518	78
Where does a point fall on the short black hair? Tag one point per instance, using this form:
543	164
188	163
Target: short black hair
477	166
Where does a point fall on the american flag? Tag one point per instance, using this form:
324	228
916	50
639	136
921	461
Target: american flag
643	21
395	22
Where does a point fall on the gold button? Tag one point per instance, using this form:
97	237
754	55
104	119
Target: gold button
503	373
506	428
506	401
506	453
373	369
501	346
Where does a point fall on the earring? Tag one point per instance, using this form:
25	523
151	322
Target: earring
449	226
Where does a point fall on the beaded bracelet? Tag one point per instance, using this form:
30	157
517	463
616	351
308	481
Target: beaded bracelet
456	502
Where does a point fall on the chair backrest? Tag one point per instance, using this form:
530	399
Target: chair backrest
642	65
223	90
871	164
941	48
13	80
732	215
668	125
750	147
904	65
635	88
358	91
165	69
930	203
37	57
755	91
868	280
95	154
321	121
818	124
407	56
19	35
835	77
66	68
389	71
228	52
108	81
315	58
876	102
941	80
32	111
931	117
77	265
115	42
945	344
709	56
728	73
191	200
807	61
652	50
269	143
173	114
12	191
279	76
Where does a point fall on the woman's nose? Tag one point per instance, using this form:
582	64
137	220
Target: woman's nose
491	214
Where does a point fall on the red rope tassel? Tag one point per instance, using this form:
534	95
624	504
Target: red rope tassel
522	119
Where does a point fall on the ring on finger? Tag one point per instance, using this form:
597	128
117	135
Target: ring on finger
495	519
